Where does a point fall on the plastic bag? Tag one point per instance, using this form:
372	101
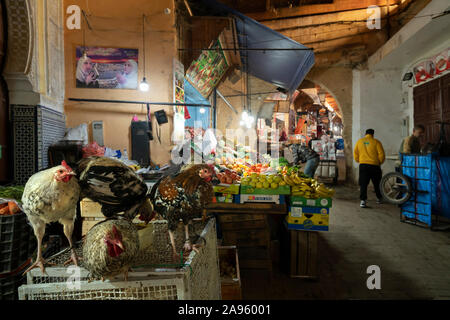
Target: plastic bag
9	207
78	133
93	149
209	142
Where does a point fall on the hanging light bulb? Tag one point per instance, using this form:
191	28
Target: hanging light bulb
244	115
202	110
143	86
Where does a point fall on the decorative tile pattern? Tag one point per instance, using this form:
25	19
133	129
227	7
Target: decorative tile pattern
19	44
35	128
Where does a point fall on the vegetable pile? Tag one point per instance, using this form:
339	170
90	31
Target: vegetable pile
9	208
12	192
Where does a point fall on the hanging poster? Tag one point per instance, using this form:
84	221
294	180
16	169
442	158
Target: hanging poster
178	97
206	72
106	68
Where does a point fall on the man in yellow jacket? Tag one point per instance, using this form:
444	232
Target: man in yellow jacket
369	153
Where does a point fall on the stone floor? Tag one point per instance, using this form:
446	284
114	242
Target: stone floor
414	261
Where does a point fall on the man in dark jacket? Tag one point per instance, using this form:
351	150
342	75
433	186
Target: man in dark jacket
304	154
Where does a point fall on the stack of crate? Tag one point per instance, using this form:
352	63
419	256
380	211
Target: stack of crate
251	234
17	244
91	214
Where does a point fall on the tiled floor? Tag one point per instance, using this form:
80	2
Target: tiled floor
414	262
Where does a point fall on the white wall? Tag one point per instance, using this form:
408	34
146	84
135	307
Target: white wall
381	100
377	105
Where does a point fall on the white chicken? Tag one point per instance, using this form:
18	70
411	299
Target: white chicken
51	195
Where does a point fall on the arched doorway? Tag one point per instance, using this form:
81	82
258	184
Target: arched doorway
318	111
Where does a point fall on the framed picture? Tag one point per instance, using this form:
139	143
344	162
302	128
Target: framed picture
106	68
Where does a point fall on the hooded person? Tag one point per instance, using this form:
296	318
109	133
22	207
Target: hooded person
86	74
128	78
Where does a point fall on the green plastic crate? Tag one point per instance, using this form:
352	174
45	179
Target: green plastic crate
280	190
297	201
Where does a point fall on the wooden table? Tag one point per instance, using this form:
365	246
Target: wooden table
247	226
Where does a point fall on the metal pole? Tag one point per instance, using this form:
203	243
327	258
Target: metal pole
142	102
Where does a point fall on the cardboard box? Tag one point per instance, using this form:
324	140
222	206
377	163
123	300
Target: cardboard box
298	201
227	188
280	190
308	218
223	198
262	198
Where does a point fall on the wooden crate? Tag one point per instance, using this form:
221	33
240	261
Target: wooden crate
88	223
90	209
303	254
231	288
246	238
251	234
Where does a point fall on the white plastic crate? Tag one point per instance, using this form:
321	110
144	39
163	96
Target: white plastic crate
198	279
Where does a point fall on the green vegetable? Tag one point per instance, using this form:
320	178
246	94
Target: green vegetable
12	192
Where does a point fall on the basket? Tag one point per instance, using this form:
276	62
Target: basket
17	241
153	276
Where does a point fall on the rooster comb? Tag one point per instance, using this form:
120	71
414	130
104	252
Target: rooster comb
65	165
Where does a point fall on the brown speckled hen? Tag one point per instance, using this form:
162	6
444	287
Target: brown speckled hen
110	248
183	196
51	195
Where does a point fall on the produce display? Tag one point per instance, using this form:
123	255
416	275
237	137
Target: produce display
9	208
309	188
228	176
262	181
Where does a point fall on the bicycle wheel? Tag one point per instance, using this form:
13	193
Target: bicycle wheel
395	188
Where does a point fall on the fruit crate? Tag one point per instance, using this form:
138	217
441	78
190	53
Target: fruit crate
17	241
308	218
154	275
298	201
282	190
227	188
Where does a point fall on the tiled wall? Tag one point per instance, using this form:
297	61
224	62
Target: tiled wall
35	128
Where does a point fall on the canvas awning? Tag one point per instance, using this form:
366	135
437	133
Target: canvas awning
285	63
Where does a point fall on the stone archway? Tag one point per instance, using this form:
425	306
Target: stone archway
339	83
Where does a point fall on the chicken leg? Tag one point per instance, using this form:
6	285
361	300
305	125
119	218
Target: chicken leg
176	255
68	230
39	231
187	244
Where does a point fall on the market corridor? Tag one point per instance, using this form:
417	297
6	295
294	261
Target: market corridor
414	261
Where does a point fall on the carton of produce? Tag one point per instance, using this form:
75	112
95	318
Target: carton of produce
284	190
308	218
223	198
227	188
298	201
261	198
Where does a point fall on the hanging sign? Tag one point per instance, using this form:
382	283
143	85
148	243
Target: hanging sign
206	72
429	68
